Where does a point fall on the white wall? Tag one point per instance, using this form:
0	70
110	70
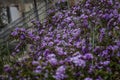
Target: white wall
15	14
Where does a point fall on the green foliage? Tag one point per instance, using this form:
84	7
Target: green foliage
4	55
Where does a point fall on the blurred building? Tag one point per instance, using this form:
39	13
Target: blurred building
13	9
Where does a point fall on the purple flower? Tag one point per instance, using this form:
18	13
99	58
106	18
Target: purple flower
118	54
35	63
40	57
117	28
61	62
106	16
14	33
46	38
64	36
71	24
18	50
88	78
102	33
88	56
76	32
115	13
60	51
32	21
105	63
104	53
38	69
22	29
51	56
77	54
44	44
56	41
7	68
38	23
115	47
110	15
77	61
30	34
77	44
118	43
58	36
91	69
63	0
83	16
85	23
110	2
52	61
50	44
101	37
102	30
36	38
99	78
68	19
22	36
60	73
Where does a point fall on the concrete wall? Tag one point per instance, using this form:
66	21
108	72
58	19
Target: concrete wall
15	14
28	7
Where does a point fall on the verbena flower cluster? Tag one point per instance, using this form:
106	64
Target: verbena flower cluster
80	43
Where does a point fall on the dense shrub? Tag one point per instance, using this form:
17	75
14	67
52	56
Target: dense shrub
81	43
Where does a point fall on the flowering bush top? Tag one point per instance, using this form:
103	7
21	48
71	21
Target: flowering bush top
81	43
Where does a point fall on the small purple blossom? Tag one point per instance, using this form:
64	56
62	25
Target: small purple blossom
105	63
104	53
52	61
118	54
88	78
35	63
38	69
60	73
77	61
14	33
7	68
115	12
50	44
22	36
71	24
88	56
